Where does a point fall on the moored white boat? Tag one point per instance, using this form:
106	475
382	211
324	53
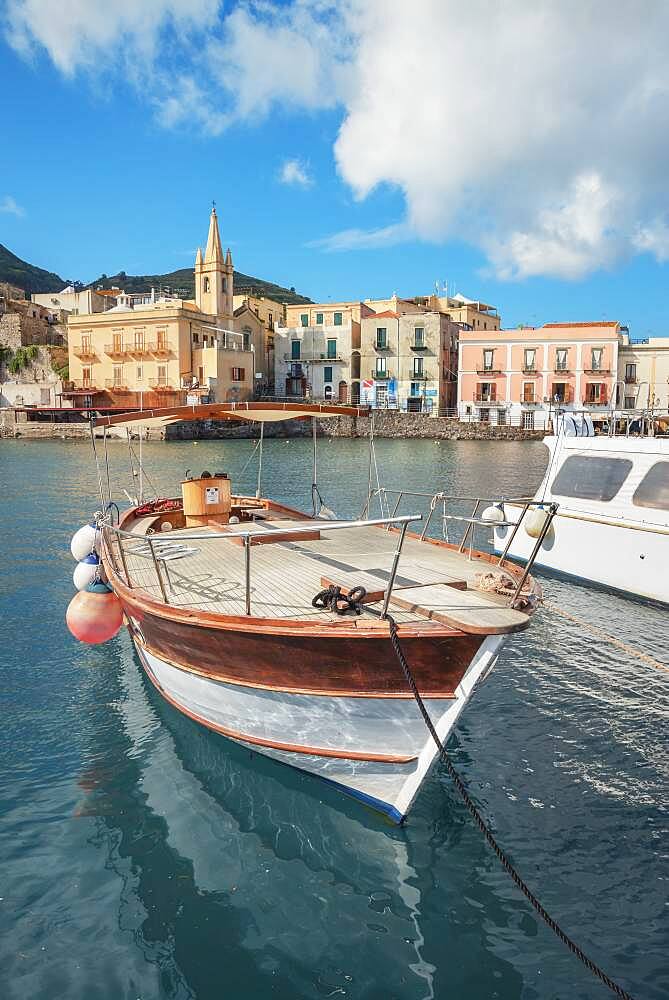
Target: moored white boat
612	523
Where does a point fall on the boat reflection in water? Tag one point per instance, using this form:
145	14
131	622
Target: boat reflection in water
241	878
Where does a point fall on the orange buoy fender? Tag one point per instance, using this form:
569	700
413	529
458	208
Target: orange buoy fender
95	614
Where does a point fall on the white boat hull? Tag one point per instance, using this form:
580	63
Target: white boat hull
625	556
274	722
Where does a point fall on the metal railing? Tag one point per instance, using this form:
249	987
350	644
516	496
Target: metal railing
473	521
316	357
116	542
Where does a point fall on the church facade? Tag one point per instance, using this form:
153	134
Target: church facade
170	350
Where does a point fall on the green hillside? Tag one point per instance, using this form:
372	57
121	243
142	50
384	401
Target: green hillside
182	283
36	279
27	276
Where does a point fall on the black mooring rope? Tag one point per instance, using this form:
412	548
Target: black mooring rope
486	831
332	599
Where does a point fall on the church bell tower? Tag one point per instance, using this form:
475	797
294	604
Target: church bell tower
214	275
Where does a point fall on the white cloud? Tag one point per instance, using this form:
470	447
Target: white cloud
85	34
10	207
653	238
184	102
295	172
292	55
537	132
364	239
568	239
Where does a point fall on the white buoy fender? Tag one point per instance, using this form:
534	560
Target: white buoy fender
88	570
494	514
85	541
534	521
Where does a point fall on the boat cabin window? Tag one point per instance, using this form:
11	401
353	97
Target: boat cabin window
588	478
653	490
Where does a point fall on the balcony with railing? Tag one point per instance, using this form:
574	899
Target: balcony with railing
597	371
117	350
162	385
595	398
160	348
630	380
380	374
111	383
420	376
562	369
494	370
319	330
80	385
317	357
418	345
84	350
530	370
485	397
139	350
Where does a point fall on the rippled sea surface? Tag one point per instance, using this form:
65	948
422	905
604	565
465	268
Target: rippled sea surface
143	857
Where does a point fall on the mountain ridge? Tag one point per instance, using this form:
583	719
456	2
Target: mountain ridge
31	279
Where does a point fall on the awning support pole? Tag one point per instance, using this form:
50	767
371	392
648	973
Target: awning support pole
314	474
258	485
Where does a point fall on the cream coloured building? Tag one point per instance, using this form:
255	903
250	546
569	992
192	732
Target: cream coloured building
317	352
643	374
408	359
161	351
471	313
69	300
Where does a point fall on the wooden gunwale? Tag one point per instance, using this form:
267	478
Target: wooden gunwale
272	744
352	628
282	688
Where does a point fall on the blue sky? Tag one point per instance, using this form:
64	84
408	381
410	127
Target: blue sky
314	131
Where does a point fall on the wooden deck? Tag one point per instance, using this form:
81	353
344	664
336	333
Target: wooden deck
208	574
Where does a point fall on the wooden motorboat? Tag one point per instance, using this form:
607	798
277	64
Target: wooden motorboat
217	590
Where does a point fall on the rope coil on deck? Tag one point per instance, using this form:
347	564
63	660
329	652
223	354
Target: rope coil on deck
330	599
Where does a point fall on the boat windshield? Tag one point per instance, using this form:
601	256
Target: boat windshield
653	490
585	477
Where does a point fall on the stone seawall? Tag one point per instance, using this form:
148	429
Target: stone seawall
387	424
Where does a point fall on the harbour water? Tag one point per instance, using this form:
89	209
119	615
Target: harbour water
143	857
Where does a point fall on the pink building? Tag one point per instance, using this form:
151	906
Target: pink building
520	375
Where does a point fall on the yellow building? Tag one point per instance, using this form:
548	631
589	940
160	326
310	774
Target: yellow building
159	353
260	316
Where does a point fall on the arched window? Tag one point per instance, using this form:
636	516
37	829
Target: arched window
206	285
